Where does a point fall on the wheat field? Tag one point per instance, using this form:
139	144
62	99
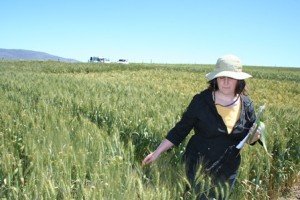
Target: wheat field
81	130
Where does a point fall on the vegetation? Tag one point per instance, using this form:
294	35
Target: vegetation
80	130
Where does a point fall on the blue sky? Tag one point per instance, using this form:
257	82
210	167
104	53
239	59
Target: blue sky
260	32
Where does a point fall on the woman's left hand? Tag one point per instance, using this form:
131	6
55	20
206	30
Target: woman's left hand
258	133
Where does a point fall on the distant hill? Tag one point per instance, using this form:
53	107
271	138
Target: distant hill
21	54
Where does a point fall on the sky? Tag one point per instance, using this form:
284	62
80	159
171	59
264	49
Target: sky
259	32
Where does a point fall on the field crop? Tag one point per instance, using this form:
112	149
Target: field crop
81	130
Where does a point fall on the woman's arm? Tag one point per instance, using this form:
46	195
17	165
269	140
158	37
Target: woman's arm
164	146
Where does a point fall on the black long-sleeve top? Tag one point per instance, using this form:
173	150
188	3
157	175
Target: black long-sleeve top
211	138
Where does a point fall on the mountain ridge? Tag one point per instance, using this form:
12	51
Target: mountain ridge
23	54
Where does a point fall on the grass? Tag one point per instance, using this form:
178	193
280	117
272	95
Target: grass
75	131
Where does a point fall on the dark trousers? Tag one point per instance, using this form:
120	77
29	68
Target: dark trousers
208	186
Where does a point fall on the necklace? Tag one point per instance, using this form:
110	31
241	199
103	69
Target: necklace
214	99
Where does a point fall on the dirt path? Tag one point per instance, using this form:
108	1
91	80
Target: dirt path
294	193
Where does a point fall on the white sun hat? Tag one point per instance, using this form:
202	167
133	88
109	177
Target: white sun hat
228	66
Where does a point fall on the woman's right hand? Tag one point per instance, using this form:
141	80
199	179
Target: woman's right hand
164	146
149	159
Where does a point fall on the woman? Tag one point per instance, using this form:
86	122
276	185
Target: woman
221	117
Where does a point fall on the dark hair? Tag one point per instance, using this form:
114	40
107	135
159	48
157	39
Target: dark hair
240	86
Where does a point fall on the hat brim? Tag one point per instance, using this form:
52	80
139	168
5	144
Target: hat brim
231	74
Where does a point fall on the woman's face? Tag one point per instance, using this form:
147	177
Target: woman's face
227	85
